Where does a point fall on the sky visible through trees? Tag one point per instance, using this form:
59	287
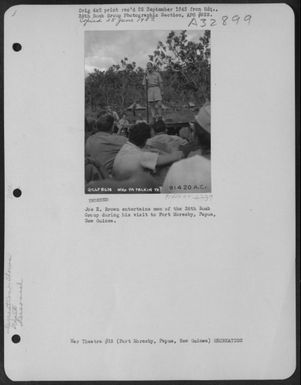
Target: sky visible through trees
184	65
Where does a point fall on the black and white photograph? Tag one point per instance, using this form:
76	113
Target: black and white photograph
147	111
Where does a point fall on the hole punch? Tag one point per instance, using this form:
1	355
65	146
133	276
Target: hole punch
16	338
17	192
17	47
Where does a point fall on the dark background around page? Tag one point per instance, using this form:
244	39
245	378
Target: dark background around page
295	5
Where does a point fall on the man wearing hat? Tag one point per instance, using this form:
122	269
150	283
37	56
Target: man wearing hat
193	175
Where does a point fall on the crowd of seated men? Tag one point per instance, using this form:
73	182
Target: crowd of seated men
145	155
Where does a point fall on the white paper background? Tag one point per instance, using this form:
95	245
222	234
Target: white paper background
233	276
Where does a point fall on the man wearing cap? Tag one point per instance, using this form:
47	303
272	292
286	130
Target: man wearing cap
199	142
154	86
193	175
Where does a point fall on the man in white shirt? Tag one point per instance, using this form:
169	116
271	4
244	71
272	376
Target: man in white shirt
133	159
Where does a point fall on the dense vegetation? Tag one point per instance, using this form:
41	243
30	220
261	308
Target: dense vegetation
184	66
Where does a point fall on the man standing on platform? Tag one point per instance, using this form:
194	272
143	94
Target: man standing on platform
103	146
154	89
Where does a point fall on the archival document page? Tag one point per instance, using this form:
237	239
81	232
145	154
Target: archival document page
149	192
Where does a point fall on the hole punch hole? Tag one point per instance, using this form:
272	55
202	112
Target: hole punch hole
17	192
17	47
16	338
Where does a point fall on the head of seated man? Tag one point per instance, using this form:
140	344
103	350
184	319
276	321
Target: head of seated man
105	123
159	127
139	134
163	142
186	133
